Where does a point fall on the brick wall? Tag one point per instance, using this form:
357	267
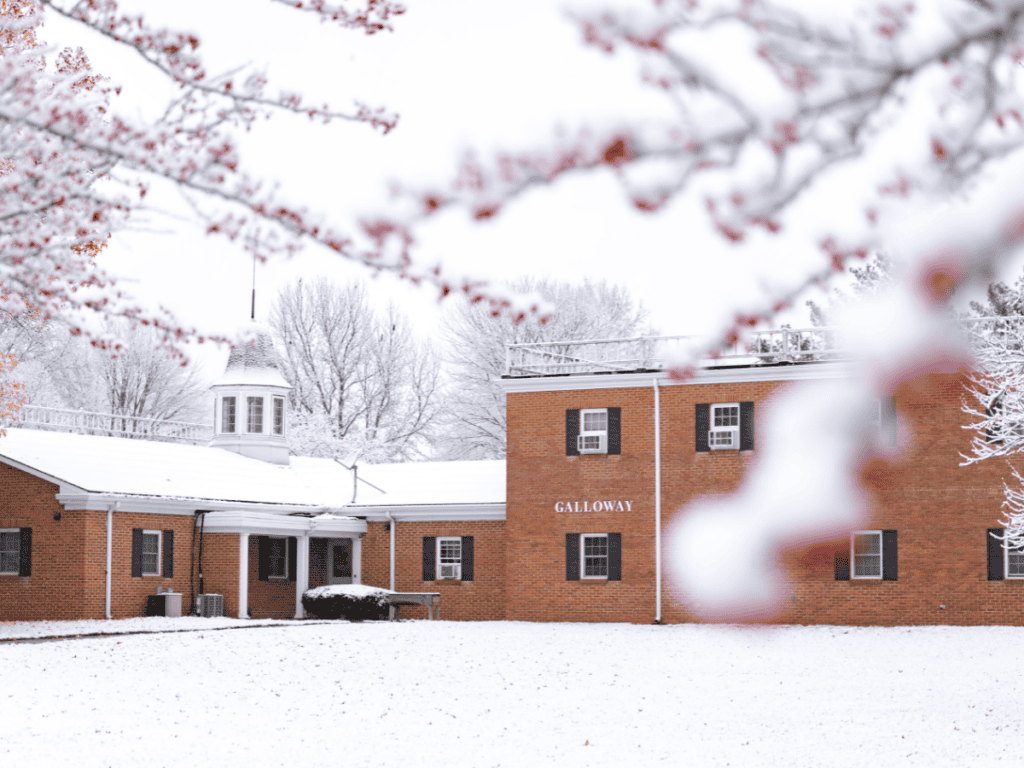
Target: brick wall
68	579
220	568
480	600
940	510
56	587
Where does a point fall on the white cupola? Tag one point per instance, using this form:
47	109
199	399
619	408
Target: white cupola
250	414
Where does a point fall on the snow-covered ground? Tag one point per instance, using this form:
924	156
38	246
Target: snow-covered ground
34	629
514	694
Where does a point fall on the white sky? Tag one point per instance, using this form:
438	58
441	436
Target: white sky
461	75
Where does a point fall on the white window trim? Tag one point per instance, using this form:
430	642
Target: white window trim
248	420
437	557
17	567
283	539
583	559
234	420
159	552
881	555
602	433
1006	562
273	416
713	428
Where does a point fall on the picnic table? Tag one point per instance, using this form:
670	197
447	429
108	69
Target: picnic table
430	599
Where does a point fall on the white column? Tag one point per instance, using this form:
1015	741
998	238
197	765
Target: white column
243	574
301	574
357	559
391	556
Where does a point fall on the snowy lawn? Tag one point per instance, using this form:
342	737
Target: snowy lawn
516	694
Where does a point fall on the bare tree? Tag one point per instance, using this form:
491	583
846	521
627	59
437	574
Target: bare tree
476	342
360	386
139	381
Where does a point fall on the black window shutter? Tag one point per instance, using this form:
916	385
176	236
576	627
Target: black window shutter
572	557
293	558
842	565
25	553
137	552
429	569
994	537
614	557
467	558
614	430
572	431
746	426
703	420
890	557
263	557
168	554
889	420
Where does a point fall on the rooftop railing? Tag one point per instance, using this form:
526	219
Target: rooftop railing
110	424
645	353
772	347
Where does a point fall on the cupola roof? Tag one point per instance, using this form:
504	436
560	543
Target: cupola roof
254	360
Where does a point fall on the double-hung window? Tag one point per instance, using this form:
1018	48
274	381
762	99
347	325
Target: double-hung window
227	415
277	558
254	414
10	551
866	555
151	553
1014	562
869	555
593	437
725	426
449	557
594	555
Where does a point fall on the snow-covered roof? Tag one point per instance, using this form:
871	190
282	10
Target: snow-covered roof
142	468
432	483
112	465
254	360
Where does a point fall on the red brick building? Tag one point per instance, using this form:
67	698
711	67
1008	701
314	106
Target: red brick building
568	529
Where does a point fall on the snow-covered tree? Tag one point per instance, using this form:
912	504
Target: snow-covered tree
873	276
141	381
995	395
75	162
361	386
476	339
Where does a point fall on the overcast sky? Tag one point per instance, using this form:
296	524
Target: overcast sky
461	75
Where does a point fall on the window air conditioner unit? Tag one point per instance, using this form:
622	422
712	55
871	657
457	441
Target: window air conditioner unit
450	571
592	443
210	605
723	439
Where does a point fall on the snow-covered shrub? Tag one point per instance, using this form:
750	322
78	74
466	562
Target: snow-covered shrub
355	602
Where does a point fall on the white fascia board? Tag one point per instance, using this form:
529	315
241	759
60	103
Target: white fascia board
737	375
430	513
261	523
78	500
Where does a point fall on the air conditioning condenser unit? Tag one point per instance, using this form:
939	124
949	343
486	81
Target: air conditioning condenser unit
210	605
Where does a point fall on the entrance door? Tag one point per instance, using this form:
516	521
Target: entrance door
341	561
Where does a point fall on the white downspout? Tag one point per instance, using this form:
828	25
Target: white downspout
657	503
391	520
110	549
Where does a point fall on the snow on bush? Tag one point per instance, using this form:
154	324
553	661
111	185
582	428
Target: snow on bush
355	602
